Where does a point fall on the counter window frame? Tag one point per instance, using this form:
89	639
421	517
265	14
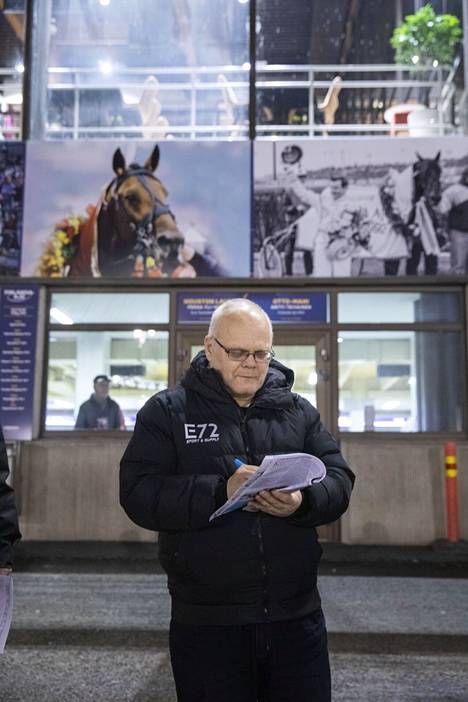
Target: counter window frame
460	327
94	327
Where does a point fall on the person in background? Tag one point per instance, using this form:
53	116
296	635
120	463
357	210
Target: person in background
100	411
9	530
393	245
246	620
304	207
454	205
335	225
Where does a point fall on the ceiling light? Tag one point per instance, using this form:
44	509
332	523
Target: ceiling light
105	67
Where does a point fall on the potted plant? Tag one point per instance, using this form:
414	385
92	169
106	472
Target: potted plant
426	38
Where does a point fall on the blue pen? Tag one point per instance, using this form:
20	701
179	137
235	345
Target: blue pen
238	463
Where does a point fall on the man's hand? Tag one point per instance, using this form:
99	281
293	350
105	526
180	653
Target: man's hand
276	502
239	478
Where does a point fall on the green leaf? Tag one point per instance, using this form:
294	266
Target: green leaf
429	36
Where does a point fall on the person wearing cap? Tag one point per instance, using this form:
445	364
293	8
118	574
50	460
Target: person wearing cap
306	202
9	531
454	204
100	411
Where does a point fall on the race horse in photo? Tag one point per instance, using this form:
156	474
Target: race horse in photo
418	193
132	232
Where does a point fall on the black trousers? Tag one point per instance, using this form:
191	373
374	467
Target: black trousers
273	662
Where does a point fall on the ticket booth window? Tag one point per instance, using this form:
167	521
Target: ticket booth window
400	361
135	362
121	337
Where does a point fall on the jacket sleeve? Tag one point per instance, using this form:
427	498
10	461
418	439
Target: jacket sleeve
153	491
9	531
326	501
81	418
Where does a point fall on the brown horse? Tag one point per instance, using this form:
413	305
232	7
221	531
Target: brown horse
132	232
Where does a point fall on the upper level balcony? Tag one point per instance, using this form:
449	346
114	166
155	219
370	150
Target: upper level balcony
214	102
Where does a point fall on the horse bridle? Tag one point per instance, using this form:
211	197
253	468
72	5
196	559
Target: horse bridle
146	228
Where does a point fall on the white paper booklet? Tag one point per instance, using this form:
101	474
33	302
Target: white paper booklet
6	608
288	472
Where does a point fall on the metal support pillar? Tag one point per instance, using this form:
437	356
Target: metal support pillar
36	59
252	74
463	105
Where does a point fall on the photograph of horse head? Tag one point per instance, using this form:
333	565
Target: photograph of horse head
139	209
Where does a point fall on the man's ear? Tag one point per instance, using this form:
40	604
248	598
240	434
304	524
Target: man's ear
208	343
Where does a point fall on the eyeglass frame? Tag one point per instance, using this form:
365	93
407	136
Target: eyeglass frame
248	353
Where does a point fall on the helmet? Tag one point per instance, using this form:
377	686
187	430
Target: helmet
291	154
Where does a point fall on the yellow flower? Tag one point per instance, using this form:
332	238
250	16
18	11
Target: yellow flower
75	223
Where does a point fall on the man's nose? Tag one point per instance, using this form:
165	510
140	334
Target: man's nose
250	360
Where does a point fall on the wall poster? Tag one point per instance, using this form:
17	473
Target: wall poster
11	205
361	207
137	209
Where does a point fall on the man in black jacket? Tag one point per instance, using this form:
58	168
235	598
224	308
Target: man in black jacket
9	532
246	618
100	411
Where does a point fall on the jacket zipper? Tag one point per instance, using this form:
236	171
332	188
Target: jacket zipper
245	437
258	525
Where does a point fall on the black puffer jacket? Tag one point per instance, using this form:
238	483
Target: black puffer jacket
9	531
243	567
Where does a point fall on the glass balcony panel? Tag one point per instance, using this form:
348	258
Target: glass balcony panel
148	69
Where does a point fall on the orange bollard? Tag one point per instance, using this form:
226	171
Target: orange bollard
451	492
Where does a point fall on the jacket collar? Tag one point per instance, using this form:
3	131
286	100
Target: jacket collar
275	392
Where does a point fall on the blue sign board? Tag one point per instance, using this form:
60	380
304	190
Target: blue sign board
293	307
18	327
282	307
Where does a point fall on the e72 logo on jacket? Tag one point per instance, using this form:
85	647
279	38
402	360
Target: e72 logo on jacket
201	433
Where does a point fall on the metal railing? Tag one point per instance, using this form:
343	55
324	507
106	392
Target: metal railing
183	93
212	102
394	84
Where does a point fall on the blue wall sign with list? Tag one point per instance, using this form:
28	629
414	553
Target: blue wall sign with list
18	328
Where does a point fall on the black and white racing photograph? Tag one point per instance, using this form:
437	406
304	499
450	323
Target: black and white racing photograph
362	207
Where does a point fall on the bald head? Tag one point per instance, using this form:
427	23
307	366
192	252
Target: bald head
237	310
239	325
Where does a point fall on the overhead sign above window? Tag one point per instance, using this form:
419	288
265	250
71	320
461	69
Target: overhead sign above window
291	307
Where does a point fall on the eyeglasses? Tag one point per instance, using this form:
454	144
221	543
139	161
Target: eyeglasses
261	356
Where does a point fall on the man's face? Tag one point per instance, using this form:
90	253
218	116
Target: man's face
337	189
243	331
293	169
101	389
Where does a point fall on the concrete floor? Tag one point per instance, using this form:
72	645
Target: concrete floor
102	637
87	674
